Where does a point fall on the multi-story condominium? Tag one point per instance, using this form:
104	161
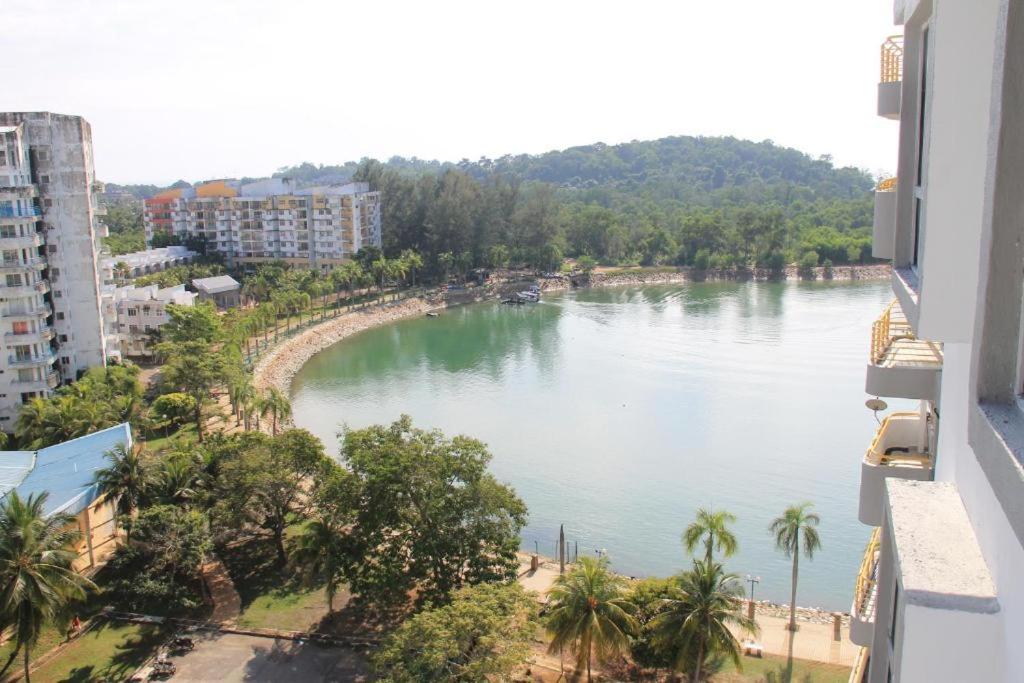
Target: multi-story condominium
940	595
50	291
317	227
141	311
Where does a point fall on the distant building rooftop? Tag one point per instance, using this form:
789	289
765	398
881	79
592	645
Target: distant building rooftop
216	284
67	470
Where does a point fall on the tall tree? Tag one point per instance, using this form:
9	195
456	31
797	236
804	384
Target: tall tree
193	368
693	623
589	614
36	578
430	516
797	524
712	528
198	323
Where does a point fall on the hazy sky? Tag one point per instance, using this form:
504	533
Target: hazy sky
222	88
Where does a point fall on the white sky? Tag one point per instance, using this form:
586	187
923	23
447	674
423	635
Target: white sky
226	88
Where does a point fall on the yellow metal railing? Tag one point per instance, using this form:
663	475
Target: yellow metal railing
892	60
860	666
889	327
876	455
866	576
886	185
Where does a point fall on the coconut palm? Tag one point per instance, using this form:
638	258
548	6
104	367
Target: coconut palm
175	482
319	551
276	404
413	262
36	578
590	614
796	524
695	622
125	480
712	528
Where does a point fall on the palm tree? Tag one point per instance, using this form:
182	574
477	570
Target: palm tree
796	523
319	550
711	527
175	481
277	405
413	262
125	480
36	578
695	623
589	612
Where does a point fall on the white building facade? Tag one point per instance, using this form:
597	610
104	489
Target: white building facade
940	596
319	227
50	290
142	311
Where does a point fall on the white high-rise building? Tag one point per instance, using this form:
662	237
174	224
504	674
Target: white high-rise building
270	220
940	596
51	311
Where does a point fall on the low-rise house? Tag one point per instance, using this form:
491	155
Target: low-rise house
223	290
139	263
141	311
67	471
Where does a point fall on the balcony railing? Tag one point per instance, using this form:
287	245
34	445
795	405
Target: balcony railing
900	364
45	333
40	311
50	379
892	60
860	666
862	614
19	212
900	450
38	359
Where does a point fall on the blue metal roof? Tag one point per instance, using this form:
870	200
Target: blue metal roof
66	470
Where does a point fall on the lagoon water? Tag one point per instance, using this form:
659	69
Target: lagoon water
620	411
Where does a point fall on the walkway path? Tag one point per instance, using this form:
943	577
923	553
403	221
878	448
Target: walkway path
227	604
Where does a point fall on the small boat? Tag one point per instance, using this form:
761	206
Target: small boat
432	314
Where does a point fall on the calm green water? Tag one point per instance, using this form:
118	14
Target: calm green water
620	411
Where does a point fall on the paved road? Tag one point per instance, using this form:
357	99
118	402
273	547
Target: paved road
233	658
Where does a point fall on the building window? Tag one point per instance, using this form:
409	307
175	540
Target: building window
895	615
923	126
44	179
63	338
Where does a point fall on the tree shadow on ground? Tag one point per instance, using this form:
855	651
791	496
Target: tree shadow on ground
128	656
255	570
357	618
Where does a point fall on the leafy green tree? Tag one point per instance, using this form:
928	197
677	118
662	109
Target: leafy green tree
198	323
589	614
693	623
809	261
711	528
498	256
174	481
648	597
796	524
587	264
277	405
193	368
160	569
125	480
430	516
174	408
36	578
484	634
265	487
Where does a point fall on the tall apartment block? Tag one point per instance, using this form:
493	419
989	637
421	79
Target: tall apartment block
51	307
251	223
940	594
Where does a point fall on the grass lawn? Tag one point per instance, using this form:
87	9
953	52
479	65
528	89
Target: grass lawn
272	596
111	651
771	669
183	437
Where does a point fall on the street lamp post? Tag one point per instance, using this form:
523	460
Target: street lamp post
752	580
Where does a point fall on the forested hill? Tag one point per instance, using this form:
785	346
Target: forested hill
709	202
701	170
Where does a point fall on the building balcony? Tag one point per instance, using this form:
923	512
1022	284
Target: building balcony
22	266
30	312
30	241
45	358
43	334
900	364
19	212
883	238
899	451
50	380
10	192
890	84
41	287
862	613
